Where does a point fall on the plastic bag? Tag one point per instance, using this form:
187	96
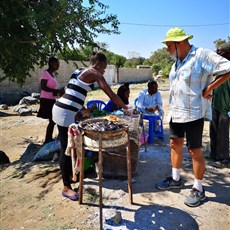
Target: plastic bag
46	153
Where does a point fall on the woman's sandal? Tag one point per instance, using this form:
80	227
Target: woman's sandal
73	198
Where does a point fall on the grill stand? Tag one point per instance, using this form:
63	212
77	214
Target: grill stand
100	160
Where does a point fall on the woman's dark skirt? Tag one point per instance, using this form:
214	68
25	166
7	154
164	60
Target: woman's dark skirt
46	106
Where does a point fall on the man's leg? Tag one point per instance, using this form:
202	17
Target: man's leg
222	147
176	143
197	193
213	128
198	163
176	158
176	152
194	132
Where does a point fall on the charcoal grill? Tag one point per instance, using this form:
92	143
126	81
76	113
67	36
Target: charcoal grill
110	138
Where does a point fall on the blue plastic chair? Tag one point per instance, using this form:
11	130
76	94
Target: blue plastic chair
100	104
153	131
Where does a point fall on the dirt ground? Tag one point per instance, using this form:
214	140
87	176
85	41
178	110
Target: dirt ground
30	193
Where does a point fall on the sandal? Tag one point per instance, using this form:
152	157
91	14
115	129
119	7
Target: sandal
73	198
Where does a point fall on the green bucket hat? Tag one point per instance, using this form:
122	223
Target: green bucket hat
176	34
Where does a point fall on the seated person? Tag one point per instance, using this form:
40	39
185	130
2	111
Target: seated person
123	92
149	100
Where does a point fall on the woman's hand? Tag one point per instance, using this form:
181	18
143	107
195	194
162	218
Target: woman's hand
85	113
61	91
127	112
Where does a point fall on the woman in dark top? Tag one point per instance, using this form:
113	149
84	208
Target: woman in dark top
122	92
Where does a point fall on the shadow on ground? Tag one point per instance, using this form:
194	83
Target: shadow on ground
156	217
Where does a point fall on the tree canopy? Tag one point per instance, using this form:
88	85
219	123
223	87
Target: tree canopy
161	60
219	42
33	30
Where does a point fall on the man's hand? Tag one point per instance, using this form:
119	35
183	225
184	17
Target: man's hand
152	109
149	109
207	93
156	107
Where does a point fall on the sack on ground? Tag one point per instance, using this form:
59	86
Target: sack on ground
46	153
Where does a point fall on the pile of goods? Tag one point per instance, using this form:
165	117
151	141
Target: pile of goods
109	123
99	113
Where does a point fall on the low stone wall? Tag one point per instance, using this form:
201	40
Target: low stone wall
134	75
11	93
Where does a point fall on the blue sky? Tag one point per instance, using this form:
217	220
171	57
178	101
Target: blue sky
158	16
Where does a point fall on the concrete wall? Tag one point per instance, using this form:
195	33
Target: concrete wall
11	93
134	75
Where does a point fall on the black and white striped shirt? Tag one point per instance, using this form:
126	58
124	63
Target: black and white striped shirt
72	101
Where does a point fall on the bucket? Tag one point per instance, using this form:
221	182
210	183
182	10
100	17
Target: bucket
88	163
89	159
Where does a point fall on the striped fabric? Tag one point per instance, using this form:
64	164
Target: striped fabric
71	102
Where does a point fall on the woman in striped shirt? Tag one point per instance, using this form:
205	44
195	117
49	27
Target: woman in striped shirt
71	103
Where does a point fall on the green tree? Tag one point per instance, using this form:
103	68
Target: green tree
83	53
33	30
133	62
115	59
128	63
147	62
161	60
156	68
219	41
72	55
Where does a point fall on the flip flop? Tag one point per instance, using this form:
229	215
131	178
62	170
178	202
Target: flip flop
73	198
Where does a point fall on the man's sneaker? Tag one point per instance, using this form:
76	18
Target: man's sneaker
194	198
169	183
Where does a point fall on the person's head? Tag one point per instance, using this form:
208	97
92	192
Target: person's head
224	50
152	87
98	61
53	64
123	92
177	43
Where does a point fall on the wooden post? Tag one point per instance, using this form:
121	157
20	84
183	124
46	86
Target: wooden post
81	179
129	169
100	160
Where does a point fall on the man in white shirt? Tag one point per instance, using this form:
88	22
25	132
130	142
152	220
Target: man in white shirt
191	85
150	101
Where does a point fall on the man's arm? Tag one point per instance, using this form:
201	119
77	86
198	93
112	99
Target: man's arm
214	84
140	102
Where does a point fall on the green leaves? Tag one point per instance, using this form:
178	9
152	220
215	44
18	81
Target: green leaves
33	30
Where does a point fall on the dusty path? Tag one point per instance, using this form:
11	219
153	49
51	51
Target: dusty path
30	194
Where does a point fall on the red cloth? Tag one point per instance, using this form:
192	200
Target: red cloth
74	148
